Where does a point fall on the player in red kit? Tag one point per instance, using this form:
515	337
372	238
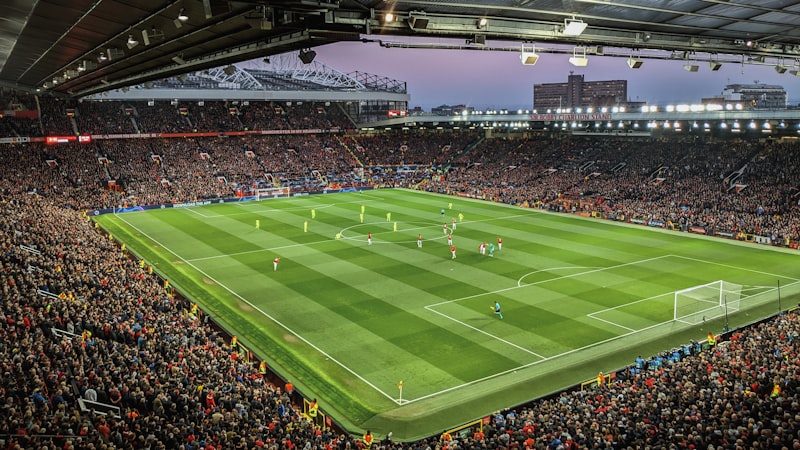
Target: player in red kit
275	264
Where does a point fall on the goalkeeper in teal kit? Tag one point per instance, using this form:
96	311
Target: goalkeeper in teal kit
496	309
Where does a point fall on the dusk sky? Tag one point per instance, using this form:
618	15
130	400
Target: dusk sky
497	79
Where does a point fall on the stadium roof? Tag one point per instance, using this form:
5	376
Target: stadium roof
79	47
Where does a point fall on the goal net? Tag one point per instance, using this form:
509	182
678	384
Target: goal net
273	192
697	304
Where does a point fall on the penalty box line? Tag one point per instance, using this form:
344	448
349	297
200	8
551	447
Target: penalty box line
432	307
592	315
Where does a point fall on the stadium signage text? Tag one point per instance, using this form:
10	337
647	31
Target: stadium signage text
562	117
14	140
54	140
184	205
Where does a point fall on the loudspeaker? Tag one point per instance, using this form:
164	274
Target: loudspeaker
418	22
635	63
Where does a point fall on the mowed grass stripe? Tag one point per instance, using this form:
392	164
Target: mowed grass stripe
340	297
545	319
171	228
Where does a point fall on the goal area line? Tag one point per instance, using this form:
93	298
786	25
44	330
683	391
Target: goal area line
627	330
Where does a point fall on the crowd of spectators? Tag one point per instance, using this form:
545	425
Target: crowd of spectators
81	319
18	101
58	117
105	118
715	186
67	117
726	186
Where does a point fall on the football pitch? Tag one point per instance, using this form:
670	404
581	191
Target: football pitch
390	336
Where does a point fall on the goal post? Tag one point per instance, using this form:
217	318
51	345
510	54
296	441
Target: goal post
273	192
708	301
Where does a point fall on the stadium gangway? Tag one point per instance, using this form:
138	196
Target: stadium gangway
103	409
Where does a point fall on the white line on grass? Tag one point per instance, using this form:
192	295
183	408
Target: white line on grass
271	249
611	323
531	364
735	267
432	306
205	216
276	321
591	314
261	250
519	282
547	281
361	237
497	338
299	208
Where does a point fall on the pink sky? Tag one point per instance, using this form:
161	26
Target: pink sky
495	79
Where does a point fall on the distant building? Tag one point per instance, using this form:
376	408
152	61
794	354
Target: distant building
578	93
447	110
752	96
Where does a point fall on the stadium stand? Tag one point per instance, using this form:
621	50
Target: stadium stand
96	353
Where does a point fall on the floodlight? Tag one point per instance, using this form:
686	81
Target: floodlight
579	58
181	19
388	17
482	22
528	56
635	63
780	69
102	57
691	67
714	65
528	59
131	42
574	27
307	56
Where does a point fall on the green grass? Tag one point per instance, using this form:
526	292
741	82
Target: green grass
345	322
